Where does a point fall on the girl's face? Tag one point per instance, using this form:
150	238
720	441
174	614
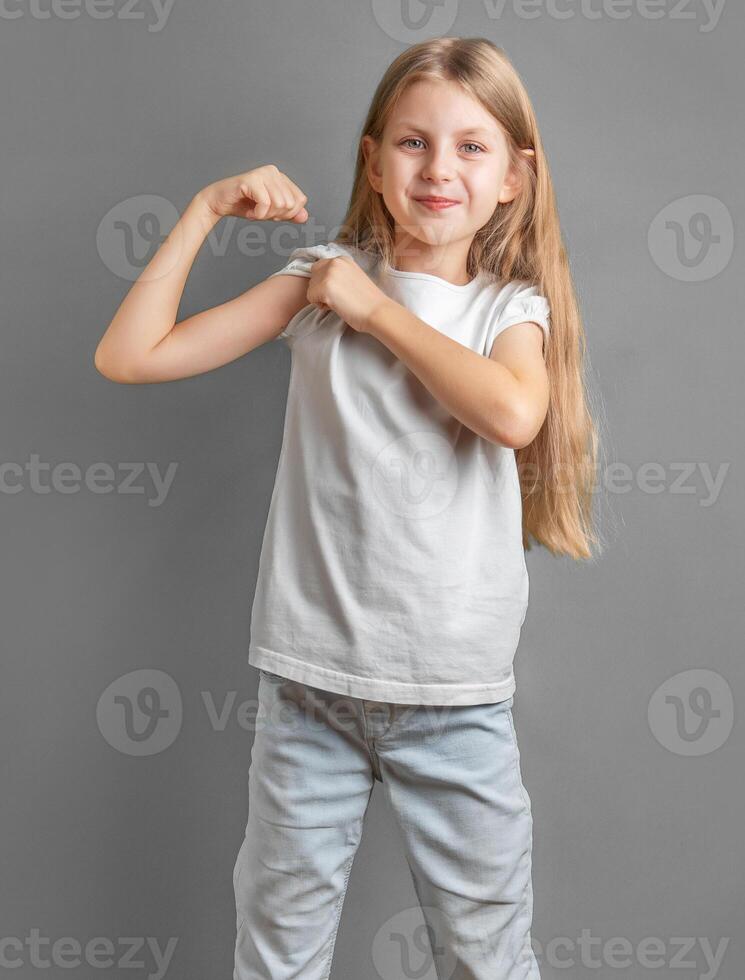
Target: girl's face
441	142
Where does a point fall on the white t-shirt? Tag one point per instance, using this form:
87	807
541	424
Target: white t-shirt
392	566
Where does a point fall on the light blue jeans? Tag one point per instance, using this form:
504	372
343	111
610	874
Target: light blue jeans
452	778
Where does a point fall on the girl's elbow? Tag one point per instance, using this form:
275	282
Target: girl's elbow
519	430
118	373
511	439
521	441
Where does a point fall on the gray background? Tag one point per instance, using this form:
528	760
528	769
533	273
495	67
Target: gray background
637	824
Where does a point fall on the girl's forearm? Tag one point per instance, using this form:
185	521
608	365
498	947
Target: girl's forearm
479	392
149	310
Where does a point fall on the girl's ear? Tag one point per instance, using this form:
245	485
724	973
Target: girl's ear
370	150
513	181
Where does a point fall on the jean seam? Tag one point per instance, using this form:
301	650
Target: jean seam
337	915
369	740
528	955
421	906
516	762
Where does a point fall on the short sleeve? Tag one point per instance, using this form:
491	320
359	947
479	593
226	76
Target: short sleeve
299	264
519	303
302	258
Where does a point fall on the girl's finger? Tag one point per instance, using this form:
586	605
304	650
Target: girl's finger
293	197
300	201
296	192
283	201
262	196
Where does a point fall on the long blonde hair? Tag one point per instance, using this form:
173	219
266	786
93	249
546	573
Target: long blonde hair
522	240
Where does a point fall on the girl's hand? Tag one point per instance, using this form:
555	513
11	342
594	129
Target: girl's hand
339	284
261	194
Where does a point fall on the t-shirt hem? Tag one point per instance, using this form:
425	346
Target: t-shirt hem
374	689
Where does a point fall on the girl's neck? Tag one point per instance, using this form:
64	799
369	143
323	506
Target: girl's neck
448	262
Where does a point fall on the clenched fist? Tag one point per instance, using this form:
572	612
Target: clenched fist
261	195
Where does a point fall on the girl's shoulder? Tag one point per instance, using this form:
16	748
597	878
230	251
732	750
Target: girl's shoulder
302	257
367	260
518	295
517	301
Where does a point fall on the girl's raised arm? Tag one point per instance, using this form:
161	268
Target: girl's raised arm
144	344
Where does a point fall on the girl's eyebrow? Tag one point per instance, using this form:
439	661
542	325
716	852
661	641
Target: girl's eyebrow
406	124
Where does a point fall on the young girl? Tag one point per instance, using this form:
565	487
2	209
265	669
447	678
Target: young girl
436	389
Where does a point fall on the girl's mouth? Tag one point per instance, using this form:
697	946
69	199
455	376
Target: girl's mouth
436	203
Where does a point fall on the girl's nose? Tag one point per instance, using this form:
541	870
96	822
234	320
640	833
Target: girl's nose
438	167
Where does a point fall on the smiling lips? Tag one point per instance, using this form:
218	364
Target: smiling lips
436	203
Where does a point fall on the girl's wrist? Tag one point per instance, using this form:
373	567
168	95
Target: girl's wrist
202	210
377	315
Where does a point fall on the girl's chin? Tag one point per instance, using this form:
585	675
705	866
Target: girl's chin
431	233
428	222
435	233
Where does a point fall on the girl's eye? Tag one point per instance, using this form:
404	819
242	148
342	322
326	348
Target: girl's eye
415	139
